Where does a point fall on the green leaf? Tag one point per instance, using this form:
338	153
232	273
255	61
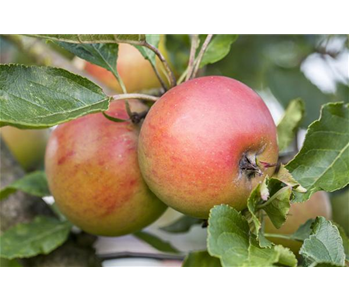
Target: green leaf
103	55
304	231
34	184
9	263
92	38
57	212
286	256
278	206
289	124
110	118
285	177
40	97
324	245
156	242
41	236
252	205
201	259
263	241
218	48
154	40
253	214
323	161
291	83
229	239
181	225
345	240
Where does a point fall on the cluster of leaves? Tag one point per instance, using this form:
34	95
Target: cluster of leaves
41	97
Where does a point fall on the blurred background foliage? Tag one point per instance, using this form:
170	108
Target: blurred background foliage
312	67
291	66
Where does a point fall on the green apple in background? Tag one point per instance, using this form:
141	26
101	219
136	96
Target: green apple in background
340	209
318	205
26	145
135	71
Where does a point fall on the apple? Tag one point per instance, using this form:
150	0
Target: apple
27	145
93	173
201	142
318	205
135	71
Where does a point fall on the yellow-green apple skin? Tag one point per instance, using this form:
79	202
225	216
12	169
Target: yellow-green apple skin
136	72
27	145
93	174
318	205
194	139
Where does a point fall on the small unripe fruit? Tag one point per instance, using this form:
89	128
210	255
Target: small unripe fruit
318	205
201	142
93	174
136	72
27	145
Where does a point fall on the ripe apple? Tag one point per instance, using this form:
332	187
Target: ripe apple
201	142
27	146
93	173
318	205
135	71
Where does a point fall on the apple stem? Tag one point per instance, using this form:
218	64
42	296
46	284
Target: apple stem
281	236
135	96
201	55
193	47
137	117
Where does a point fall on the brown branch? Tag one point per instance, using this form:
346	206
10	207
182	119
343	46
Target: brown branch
201	54
194	46
171	75
163	85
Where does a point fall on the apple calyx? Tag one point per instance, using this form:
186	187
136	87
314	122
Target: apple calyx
249	166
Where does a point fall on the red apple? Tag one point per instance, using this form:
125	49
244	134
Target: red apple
318	205
135	71
93	174
201	142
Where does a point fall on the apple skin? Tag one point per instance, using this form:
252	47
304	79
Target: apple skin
193	139
93	174
135	71
317	205
27	145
